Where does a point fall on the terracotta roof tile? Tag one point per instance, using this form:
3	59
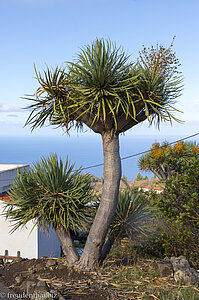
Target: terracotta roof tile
152	188
5	197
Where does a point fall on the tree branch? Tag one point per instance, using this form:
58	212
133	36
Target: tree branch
159	173
126	124
87	119
97	127
109	240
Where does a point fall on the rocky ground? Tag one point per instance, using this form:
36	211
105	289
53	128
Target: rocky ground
51	277
4	291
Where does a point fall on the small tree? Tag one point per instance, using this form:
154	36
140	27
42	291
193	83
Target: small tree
109	94
139	177
165	160
55	196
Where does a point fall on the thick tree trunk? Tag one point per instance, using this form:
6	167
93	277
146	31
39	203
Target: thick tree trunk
66	243
112	174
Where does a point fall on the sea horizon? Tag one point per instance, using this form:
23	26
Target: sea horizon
83	150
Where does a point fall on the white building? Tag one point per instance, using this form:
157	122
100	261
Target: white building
30	244
7	175
153	189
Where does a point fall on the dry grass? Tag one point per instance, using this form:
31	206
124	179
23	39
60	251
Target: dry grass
140	281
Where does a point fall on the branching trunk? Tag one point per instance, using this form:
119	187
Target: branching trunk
106	248
112	174
159	173
66	243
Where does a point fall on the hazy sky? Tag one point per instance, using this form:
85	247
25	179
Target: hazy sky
52	31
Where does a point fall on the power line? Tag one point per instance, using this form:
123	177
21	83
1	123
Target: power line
143	152
132	155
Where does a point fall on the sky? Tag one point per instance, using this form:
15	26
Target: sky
51	32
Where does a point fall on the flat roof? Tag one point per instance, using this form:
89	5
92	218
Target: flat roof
7	167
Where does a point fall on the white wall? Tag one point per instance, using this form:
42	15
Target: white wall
48	244
33	244
30	245
7	174
21	240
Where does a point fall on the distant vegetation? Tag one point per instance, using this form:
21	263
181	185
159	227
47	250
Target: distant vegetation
140	177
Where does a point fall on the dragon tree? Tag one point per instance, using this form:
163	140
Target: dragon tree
104	90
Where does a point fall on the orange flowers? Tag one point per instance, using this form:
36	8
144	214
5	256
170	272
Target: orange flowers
195	149
179	147
156	151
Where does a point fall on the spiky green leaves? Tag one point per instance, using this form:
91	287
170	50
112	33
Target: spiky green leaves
104	87
52	194
52	101
103	81
133	215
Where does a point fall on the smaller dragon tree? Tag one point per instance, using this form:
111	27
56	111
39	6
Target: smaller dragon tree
54	195
166	160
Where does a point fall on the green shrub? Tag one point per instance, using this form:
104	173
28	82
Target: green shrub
179	204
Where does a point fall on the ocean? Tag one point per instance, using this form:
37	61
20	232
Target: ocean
83	150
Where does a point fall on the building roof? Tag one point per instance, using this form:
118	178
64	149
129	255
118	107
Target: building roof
7	167
5	197
8	173
152	188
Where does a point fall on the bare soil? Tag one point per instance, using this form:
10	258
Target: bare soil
71	285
